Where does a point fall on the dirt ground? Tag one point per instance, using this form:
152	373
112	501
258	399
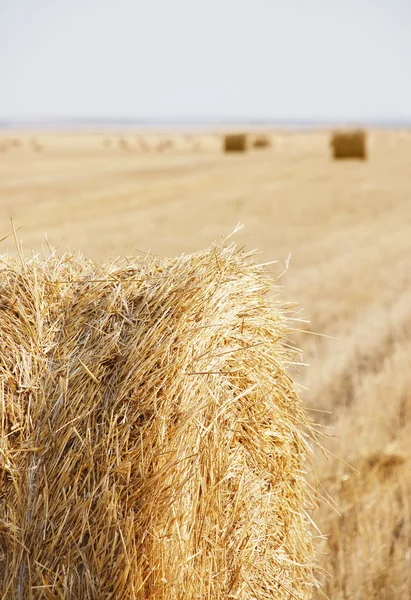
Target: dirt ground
347	226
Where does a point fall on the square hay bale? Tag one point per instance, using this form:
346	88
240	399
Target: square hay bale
235	142
349	144
152	442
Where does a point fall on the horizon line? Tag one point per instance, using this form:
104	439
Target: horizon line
8	123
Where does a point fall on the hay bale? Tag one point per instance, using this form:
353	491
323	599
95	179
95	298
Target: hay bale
164	145
123	145
235	142
35	145
349	144
144	146
261	141
6	145
152	443
196	143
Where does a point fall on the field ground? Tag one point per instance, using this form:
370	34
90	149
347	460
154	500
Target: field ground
347	226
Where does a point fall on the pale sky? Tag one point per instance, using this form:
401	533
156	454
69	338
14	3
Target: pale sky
266	59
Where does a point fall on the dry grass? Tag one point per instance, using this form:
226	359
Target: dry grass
348	226
153	445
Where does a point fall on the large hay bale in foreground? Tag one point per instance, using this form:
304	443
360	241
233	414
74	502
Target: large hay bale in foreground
349	144
152	443
235	142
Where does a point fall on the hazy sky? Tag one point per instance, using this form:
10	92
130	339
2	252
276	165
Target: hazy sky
278	59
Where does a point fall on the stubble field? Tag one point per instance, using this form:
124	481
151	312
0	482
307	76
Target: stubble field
347	226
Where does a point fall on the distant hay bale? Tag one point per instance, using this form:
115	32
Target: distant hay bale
35	146
8	144
123	145
152	442
193	142
349	144
261	141
144	146
235	142
165	145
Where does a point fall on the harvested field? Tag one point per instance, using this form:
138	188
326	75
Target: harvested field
348	227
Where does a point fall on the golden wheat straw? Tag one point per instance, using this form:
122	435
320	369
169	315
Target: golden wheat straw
152	442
